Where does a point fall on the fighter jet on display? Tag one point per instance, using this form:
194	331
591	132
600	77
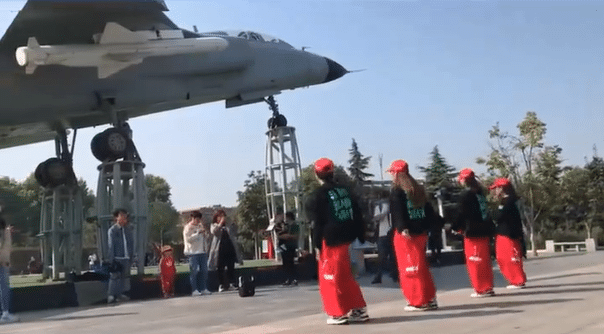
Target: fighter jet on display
74	64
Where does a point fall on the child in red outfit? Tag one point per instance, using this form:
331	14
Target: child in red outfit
167	271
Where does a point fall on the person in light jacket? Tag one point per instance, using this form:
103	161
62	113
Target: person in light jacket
224	251
5	293
197	244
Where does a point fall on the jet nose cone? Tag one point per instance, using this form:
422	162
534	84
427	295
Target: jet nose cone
336	71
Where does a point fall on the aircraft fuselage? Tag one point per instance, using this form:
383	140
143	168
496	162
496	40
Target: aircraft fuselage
244	71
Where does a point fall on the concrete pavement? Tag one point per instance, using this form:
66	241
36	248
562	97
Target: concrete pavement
563	295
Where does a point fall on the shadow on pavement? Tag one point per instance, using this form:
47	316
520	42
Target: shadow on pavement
505	304
564	276
438	316
89	316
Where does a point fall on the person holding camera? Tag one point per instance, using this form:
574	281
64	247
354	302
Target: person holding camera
197	244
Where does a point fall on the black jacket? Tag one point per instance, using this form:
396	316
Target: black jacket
471	219
417	221
336	216
508	220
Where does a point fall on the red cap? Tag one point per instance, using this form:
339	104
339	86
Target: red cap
465	174
398	166
500	182
324	166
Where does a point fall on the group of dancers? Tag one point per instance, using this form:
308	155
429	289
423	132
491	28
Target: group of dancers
338	221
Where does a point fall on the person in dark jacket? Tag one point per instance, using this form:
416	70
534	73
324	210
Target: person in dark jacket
412	216
477	227
509	234
337	221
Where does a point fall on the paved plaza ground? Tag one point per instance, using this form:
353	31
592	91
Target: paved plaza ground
564	294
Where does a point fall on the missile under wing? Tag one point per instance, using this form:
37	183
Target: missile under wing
73	64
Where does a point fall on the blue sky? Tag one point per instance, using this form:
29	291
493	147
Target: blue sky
436	73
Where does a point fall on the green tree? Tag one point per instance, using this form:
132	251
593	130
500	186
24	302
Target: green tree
573	197
158	189
545	184
438	174
358	164
514	157
163	220
163	217
595	193
251	212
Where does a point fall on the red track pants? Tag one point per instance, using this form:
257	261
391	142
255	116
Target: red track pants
509	258
167	285
414	275
478	262
340	292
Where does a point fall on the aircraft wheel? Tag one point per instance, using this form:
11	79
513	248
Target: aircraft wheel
111	144
277	121
54	172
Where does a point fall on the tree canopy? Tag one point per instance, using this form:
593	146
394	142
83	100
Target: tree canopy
358	164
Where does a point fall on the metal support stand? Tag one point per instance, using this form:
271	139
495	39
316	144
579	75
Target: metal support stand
121	184
283	189
61	221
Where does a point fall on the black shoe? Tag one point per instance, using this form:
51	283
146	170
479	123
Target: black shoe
394	279
286	283
295	283
377	280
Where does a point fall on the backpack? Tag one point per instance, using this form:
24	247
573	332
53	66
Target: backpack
247	286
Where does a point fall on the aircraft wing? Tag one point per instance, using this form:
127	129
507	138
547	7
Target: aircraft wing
55	22
11	136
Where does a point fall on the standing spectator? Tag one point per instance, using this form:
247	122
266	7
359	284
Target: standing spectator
381	216
287	232
167	271
475	223
5	251
509	234
435	239
121	253
412	216
197	244
337	221
224	251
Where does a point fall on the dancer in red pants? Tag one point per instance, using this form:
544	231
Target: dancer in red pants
509	234
167	272
337	221
412	216
477	227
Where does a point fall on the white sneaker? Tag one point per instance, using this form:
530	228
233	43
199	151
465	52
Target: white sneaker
8	318
196	293
221	288
206	292
358	315
110	299
489	293
337	320
512	286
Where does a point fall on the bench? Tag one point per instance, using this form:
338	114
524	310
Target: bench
588	245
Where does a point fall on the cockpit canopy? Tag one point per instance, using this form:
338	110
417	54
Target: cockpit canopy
249	35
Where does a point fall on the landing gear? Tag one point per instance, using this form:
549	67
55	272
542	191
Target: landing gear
111	144
277	120
57	171
62	212
54	172
121	184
